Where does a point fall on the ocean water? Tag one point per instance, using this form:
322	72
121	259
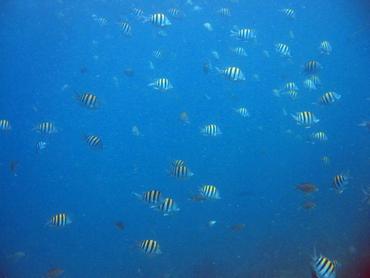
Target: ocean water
52	51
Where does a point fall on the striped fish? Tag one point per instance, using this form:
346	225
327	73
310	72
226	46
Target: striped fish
316	80
151	196
168	206
59	220
46	128
232	73
139	13
5	125
323	267
161	84
88	100
94	141
181	171
245	34
291	86
240	51
175	13
158	19
177	162
339	182
305	118
242	111
312	67
292	94
329	98
209	192
157	54
150	247
210	130
319	136
309	84
126	28
224	12
325	48
288	12
282	49
325	160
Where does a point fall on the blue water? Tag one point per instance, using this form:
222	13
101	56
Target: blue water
52	50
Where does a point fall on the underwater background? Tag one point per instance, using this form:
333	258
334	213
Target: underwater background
263	224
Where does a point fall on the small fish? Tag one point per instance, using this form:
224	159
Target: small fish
308	205
282	49
129	72
94	141
139	13
16	256
316	80
365	124
305	118
206	67
135	131
126	28
168	206
209	192
41	145
319	136
13	165
311	67
224	12
292	94
157	54
184	117
150	246
46	128
288	12
242	111
175	13
215	54
161	84
232	73
59	220
307	187
120	225
237	227
208	26
54	272
211	223
325	160
322	267
158	19
245	34
240	51
309	84
5	125
151	197
211	130
366	192
291	86
88	100
339	182
329	98
181	171
325	48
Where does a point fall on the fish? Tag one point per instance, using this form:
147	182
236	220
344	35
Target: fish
208	26
339	182
181	171
245	34
291	86
323	267
224	12
135	131
325	160
305	118
311	67
153	196
288	12
120	225
16	256
88	100
175	13
238	227
329	98
138	13
41	145
157	54
168	206
308	205
215	54
209	191
59	220
162	84
316	80
242	111
365	124
126	28
319	136
232	73
158	19
54	272
13	165
150	246
5	125
207	67
240	51
292	94
366	192
46	128
211	130
307	187
184	117
129	72
94	141
309	84
325	48
211	223
283	49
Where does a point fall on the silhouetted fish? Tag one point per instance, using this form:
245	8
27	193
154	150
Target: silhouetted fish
120	225
54	272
